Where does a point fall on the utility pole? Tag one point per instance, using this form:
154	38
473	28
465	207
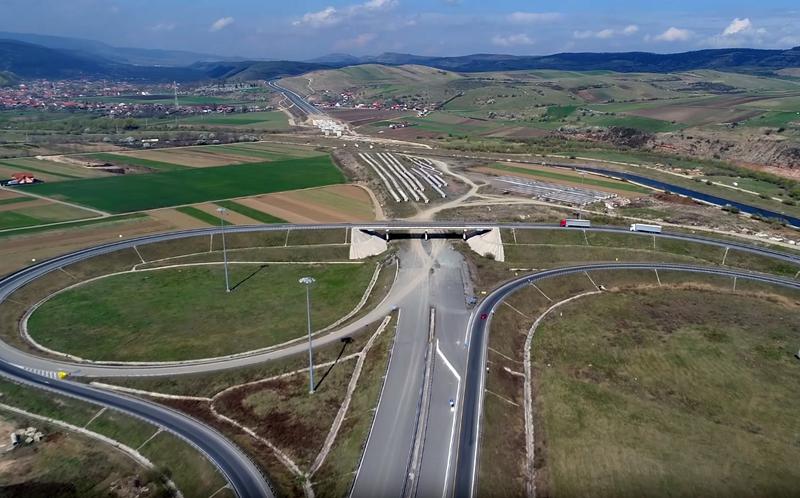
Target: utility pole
222	212
308	282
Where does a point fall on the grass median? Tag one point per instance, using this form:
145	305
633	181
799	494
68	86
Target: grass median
185	313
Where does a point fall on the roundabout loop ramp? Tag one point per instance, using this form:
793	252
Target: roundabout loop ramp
244	477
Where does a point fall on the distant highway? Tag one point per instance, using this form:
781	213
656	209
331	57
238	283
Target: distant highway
296	99
478	331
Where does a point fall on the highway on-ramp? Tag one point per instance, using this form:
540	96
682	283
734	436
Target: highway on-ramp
244	478
466	368
12	282
478	330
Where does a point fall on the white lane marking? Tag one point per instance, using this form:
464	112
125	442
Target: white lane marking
38	371
469	329
455	416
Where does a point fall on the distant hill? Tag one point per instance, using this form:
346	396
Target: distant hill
122	55
86	58
27	60
8	79
737	59
256	70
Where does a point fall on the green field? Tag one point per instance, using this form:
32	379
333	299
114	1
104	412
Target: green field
668	393
250	212
136	161
127	193
273	120
39	215
776	119
109	220
184	313
33	166
201	215
16	200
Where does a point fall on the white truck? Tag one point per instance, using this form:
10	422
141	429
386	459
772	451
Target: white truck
576	223
642	227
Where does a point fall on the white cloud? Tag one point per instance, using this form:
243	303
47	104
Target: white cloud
221	23
630	29
516	40
331	16
325	17
534	17
674	34
605	34
738	26
740	32
163	26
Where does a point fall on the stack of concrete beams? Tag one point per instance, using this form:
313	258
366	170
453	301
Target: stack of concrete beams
553	192
404	183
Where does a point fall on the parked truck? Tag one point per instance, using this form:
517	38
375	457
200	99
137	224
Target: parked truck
576	223
642	227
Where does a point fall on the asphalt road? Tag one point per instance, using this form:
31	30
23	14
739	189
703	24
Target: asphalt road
241	473
16	280
468	445
430	277
296	99
406	291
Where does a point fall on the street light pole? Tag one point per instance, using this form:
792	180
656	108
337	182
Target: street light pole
308	282
222	212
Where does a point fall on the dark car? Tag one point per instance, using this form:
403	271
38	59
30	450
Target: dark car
484	316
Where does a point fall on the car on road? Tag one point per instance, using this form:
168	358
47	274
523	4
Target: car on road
484	316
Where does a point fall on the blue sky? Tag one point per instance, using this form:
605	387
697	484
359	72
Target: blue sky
306	29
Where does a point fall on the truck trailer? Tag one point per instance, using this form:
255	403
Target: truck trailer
576	223
642	227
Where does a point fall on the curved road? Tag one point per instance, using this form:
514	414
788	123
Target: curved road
469	439
243	475
296	99
16	280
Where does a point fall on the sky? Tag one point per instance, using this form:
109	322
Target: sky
304	29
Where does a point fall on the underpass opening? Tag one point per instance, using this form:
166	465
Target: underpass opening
426	234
